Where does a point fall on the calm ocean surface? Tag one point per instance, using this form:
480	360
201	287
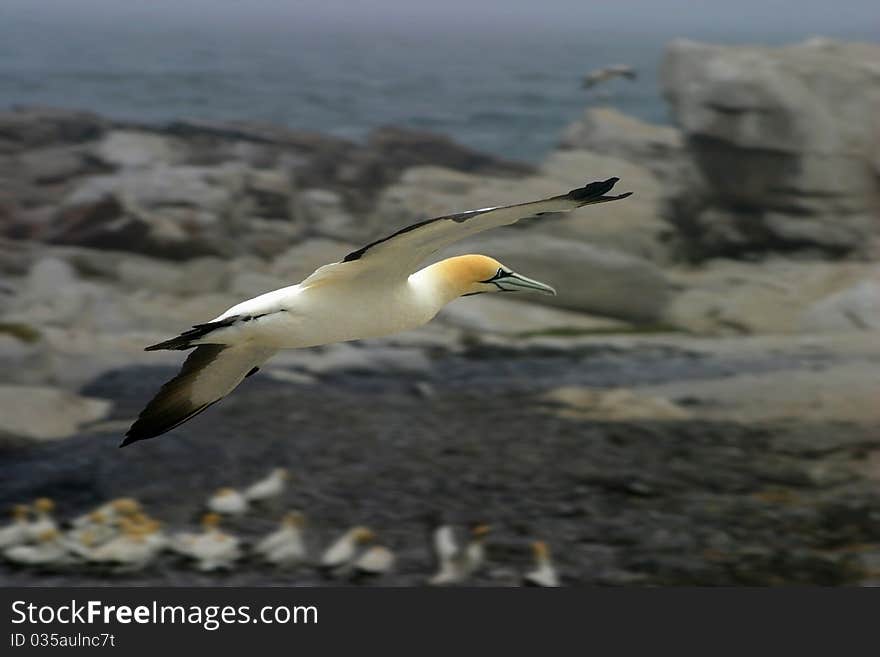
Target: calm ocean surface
509	94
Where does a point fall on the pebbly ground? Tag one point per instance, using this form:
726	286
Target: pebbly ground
645	503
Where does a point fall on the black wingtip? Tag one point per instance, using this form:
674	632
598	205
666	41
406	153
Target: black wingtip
128	440
593	190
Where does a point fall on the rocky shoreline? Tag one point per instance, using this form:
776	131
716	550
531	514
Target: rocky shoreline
705	376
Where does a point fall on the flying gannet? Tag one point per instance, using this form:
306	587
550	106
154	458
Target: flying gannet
374	291
608	73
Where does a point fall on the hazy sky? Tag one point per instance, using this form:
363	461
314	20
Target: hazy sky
791	16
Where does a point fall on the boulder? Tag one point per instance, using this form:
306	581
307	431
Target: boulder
181	212
24	128
41	413
616	405
856	307
128	149
606	131
207	188
325	214
772	296
783	139
55	164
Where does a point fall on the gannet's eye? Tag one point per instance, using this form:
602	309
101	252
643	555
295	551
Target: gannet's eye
501	273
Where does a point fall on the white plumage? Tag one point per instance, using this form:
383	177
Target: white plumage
455	563
374	291
270	487
344	549
16	532
544	573
285	547
228	502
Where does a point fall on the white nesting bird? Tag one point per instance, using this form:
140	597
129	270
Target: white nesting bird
108	513
285	546
544	572
212	549
16	532
455	563
344	549
43	521
228	502
94	529
49	550
375	560
374	291
137	546
270	487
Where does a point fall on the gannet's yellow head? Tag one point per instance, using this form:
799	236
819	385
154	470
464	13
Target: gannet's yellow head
44	505
225	492
48	535
363	535
476	274
210	520
540	550
480	531
125	505
96	517
294	519
20	512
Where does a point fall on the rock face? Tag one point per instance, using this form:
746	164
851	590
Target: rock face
785	140
606	131
23	412
774	296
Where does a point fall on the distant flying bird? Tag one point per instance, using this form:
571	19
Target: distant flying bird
374	291
600	75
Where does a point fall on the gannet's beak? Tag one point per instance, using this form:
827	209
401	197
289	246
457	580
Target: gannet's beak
514	282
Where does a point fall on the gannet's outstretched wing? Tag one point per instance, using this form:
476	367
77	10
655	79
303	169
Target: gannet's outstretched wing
401	253
209	373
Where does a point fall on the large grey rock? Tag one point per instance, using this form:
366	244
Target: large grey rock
773	296
607	131
54	164
43	413
784	140
136	149
33	127
208	188
325	214
856	307
181	212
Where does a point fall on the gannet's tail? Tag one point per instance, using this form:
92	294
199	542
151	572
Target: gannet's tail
209	373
